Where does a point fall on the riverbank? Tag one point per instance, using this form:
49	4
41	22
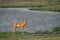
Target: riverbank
27	36
41	6
31	38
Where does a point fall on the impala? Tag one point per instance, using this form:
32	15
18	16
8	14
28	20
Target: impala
19	24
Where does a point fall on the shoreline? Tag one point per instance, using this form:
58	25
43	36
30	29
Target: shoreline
39	6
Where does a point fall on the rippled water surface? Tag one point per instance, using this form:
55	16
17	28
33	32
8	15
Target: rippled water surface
36	20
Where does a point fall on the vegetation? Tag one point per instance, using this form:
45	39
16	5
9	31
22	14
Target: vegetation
31	38
26	36
42	32
33	5
11	34
38	35
56	29
28	0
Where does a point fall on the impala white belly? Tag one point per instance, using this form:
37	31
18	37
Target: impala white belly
18	25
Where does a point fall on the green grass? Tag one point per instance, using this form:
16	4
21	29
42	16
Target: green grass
56	29
41	6
43	33
46	9
19	34
27	36
11	34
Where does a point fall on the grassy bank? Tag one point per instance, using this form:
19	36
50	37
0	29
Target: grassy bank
55	33
41	6
31	38
38	35
19	34
11	34
27	36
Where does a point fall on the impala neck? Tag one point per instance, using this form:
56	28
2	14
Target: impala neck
24	20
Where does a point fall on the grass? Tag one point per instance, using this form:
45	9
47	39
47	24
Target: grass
41	6
31	38
38	35
26	36
55	32
11	34
46	9
56	29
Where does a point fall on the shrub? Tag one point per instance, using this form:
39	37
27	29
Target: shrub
56	29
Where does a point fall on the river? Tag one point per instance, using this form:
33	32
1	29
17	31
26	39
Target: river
36	20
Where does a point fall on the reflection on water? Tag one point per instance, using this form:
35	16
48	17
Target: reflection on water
36	20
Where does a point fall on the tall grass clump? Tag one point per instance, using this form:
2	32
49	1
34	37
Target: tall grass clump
56	29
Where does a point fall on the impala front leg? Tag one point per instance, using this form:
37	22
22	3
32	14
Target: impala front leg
22	30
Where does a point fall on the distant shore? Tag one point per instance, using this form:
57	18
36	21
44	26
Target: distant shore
40	6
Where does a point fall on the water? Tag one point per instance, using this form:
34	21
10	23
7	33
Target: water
36	20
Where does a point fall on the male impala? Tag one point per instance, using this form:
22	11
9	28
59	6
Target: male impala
19	24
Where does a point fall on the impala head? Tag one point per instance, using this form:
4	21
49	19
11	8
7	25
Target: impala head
24	19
